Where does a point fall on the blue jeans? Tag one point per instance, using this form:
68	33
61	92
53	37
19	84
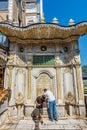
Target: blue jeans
53	114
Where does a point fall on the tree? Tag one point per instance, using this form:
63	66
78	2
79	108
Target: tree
84	68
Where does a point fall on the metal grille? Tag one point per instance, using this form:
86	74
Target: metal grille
44	60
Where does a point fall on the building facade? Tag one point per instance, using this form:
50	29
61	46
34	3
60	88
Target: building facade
40	55
84	75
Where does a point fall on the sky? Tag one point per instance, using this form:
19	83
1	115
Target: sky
64	10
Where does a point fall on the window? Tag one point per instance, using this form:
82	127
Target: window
30	5
43	48
3	40
21	49
3	4
44	60
30	21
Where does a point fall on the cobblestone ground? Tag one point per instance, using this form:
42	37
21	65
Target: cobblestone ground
61	124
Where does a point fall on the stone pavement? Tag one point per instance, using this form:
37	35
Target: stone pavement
61	124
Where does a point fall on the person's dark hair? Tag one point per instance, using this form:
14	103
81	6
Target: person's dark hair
43	96
45	90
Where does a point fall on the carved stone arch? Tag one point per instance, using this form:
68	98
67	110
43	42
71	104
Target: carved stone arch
51	75
43	80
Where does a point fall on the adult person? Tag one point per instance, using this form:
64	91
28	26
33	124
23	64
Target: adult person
39	105
53	114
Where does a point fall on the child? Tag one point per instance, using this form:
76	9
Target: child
36	117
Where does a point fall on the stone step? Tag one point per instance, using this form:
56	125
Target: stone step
45	112
28	124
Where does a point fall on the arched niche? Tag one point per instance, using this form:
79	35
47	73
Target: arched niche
44	79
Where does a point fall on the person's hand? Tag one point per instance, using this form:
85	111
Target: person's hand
38	104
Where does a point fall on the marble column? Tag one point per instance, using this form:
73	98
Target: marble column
11	85
81	110
75	84
81	105
29	82
10	76
79	84
58	79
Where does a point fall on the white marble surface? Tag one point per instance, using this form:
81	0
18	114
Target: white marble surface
61	124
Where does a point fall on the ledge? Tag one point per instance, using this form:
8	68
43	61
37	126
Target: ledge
35	32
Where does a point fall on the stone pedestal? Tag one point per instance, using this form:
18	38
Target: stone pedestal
61	110
82	111
28	110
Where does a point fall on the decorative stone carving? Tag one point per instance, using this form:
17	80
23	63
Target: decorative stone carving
19	99
19	61
41	32
11	59
58	61
29	60
44	81
77	59
69	98
19	103
67	70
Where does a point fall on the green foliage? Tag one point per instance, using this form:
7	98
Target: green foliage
84	68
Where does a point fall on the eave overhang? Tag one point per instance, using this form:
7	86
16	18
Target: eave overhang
43	32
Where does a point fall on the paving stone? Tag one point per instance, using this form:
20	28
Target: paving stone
28	124
64	122
76	121
72	127
56	127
